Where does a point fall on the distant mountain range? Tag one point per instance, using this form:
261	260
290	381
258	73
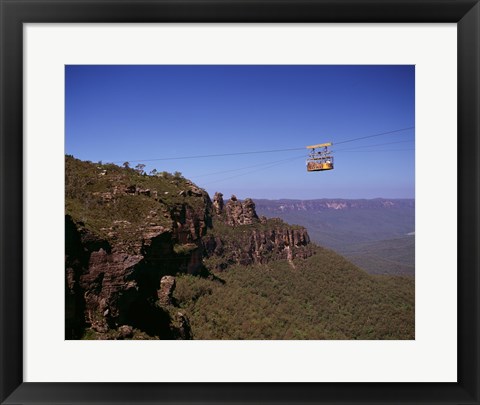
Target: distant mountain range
287	205
377	235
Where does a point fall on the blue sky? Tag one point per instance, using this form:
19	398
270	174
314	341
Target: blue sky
142	113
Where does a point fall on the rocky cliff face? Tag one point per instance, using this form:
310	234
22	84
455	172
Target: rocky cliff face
258	246
240	236
218	203
128	235
121	243
239	212
109	286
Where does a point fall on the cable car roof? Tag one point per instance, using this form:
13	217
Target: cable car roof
320	145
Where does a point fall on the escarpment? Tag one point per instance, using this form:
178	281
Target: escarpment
124	232
239	236
129	234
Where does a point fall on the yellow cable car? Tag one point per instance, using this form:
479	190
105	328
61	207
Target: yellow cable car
320	160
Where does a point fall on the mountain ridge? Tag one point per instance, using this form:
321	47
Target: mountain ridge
282	205
153	257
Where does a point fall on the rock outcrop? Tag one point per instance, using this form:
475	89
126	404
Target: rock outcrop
114	268
218	203
260	242
254	246
240	212
249	214
167	286
108	286
126	241
183	329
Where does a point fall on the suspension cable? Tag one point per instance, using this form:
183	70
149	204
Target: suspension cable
261	151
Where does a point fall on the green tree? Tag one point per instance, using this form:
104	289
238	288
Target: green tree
139	168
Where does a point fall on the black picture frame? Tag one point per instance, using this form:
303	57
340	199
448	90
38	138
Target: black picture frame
465	13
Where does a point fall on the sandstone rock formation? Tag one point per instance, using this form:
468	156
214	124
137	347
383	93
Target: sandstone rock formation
182	326
260	246
249	214
113	272
240	213
167	286
218	203
107	287
126	331
267	240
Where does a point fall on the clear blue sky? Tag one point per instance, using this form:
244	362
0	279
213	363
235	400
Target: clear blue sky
133	113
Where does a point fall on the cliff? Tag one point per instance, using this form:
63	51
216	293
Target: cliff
239	236
128	234
125	232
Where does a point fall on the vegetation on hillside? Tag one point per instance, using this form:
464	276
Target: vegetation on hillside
102	196
375	239
325	297
390	256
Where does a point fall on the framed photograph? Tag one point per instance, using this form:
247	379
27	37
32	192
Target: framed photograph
254	201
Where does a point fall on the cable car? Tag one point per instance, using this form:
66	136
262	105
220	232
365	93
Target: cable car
321	159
